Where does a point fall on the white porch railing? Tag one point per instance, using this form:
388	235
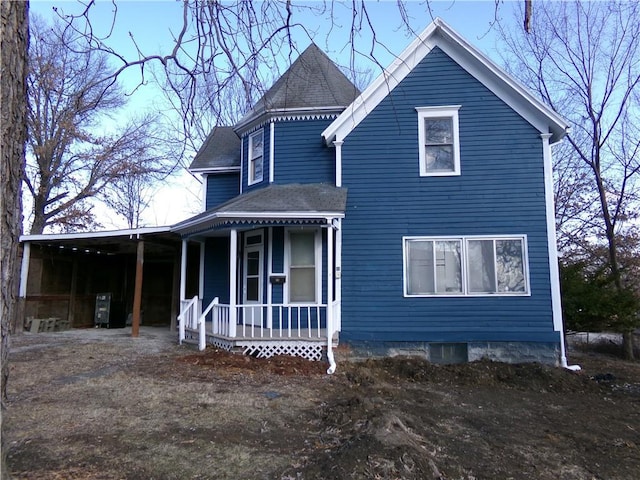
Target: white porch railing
190	320
275	321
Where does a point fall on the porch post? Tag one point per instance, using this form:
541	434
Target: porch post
332	363
269	272
337	319
201	272
137	291
183	272
233	281
17	324
24	268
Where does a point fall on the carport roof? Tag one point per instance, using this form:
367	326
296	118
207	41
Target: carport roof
158	240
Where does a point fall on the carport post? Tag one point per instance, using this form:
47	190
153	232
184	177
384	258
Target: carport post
137	293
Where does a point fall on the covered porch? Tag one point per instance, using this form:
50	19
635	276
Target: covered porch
270	263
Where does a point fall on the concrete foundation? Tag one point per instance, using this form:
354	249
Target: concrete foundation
508	352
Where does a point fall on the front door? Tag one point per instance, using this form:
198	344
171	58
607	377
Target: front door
253	279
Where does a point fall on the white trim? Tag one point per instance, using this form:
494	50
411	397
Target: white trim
464	239
272	129
439	34
317	240
338	145
448	111
330	319
133	232
24	269
183	270
554	270
242	162
257	119
210	219
338	275
251	158
268	279
233	281
203	193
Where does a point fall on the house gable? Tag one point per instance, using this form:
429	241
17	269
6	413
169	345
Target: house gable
439	34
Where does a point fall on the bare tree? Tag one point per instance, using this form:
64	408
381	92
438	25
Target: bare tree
70	158
13	59
583	59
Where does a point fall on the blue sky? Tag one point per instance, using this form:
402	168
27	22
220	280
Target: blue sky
151	22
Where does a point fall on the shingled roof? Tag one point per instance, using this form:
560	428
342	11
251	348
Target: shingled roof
275	203
313	81
221	150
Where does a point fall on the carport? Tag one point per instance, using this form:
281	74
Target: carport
134	276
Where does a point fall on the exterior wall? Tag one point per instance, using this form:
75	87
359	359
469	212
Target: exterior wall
301	154
500	191
216	264
221	187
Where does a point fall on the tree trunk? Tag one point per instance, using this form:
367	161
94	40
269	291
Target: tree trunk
14	38
627	345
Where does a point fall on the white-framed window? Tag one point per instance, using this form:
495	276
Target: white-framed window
303	263
439	141
256	156
465	265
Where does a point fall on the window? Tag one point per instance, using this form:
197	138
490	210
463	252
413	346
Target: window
465	266
302	266
438	139
256	153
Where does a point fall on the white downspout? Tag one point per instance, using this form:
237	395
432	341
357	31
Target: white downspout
556	299
330	329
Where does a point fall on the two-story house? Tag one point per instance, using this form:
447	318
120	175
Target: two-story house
414	217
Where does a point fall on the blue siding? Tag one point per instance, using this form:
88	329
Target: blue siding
500	191
221	187
301	155
277	262
216	264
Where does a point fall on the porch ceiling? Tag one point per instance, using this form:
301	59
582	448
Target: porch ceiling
275	204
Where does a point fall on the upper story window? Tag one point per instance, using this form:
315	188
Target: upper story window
438	138
478	265
256	155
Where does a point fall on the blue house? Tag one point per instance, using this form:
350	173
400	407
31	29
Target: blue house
415	217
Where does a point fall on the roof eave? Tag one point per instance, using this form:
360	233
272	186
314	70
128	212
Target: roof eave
186	227
204	170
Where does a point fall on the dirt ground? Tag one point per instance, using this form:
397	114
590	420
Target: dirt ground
98	404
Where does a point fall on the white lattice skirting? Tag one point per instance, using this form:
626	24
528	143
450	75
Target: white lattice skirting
310	351
221	344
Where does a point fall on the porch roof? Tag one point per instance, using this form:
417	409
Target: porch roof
275	204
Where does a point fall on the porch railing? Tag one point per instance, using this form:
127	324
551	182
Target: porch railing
191	320
275	321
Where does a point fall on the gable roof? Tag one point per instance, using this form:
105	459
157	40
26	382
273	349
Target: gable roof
219	152
312	83
315	202
439	34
